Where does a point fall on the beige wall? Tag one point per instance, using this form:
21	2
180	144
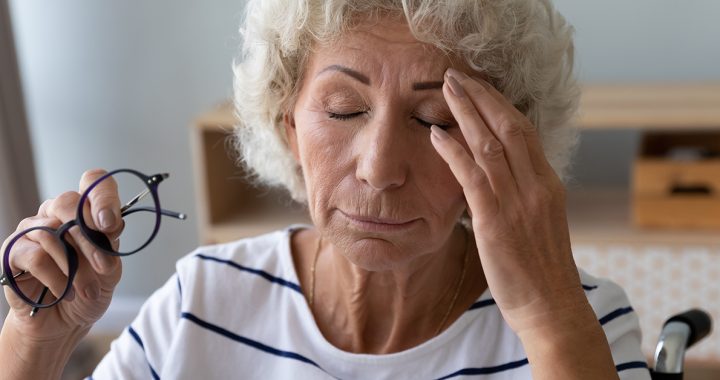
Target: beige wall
18	190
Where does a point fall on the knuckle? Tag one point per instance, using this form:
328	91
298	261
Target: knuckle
44	206
492	149
474	88
510	127
26	223
465	107
101	199
528	128
92	174
38	260
546	196
66	200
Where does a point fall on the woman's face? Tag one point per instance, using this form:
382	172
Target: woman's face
360	129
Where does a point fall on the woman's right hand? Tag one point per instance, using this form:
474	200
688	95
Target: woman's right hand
97	273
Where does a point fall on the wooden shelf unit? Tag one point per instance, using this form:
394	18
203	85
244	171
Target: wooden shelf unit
650	106
603	215
230	208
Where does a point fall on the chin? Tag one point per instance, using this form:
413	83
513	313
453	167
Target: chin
375	254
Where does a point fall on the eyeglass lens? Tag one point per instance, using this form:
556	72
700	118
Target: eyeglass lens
47	253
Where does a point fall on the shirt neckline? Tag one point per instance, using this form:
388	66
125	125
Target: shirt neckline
312	329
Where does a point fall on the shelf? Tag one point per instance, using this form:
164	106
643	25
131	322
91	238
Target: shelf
220	118
650	106
602	216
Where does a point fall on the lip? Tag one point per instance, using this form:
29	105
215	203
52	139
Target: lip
378	224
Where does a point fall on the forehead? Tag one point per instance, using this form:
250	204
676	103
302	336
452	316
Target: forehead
381	49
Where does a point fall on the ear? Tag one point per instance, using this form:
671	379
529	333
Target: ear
291	134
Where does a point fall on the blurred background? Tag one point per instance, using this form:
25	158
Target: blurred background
114	84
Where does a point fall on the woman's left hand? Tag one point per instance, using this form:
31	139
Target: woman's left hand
517	205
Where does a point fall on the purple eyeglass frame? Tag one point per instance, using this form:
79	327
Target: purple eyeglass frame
95	237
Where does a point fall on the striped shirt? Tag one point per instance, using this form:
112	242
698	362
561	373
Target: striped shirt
236	310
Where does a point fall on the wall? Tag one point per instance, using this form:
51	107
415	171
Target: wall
637	41
116	84
646	41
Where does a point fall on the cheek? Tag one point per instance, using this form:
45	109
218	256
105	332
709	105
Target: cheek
324	158
438	184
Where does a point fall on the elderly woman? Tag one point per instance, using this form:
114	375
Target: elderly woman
429	141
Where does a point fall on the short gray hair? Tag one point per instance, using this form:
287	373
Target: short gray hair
524	47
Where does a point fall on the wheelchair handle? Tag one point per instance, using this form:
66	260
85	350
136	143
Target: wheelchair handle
678	334
699	322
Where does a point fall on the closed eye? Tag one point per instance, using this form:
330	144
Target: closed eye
348	116
428	124
344	116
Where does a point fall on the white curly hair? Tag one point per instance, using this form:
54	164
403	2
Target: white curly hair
524	47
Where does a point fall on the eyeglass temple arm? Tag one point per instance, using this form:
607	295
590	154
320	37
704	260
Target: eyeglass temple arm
4	282
125	210
135	200
172	214
40	299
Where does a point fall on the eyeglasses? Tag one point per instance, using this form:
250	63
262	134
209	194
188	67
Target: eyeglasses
141	216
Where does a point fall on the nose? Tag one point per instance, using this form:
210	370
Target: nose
382	155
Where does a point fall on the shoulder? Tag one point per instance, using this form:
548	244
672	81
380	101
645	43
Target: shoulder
259	252
262	263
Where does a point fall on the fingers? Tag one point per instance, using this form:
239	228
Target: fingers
472	178
505	123
33	257
519	136
104	200
64	208
41	253
488	152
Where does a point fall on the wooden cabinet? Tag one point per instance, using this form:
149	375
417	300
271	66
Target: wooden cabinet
602	215
229	207
663	270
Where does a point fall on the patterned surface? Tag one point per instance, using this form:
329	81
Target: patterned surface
661	281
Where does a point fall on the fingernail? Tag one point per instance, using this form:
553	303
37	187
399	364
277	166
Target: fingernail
457	74
455	87
92	292
70	296
107	219
438	132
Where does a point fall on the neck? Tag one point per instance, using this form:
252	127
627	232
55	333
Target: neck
389	311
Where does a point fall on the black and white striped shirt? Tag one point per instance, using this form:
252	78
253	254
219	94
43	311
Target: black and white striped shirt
236	311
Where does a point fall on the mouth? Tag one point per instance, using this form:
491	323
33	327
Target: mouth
372	223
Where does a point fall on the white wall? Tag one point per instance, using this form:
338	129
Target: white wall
116	84
645	40
637	41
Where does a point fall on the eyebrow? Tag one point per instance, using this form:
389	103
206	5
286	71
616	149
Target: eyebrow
346	70
362	78
434	85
